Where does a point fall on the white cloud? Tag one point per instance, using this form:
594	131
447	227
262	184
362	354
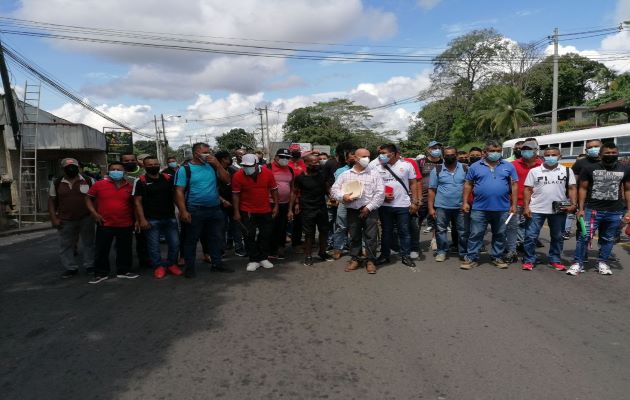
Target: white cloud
134	115
153	72
428	4
611	60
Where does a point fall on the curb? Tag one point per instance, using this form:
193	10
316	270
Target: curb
31	229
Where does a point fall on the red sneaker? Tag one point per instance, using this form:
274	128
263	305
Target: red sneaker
558	266
159	273
175	270
527	267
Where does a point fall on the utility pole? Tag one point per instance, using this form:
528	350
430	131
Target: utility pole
163	144
262	128
158	145
8	95
268	138
554	101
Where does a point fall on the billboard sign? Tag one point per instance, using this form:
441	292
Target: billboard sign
118	142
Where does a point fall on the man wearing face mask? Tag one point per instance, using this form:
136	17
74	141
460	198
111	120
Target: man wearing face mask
171	166
111	205
515	231
132	167
297	165
604	200
516	151
495	184
251	188
474	154
340	231
544	185
361	207
199	204
428	164
69	214
283	174
400	201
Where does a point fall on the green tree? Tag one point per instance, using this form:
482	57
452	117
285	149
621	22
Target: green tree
235	139
144	146
508	111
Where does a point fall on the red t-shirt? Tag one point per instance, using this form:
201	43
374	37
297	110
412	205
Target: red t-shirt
298	166
115	204
522	169
415	167
254	194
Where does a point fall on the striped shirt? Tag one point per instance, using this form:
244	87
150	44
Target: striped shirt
373	188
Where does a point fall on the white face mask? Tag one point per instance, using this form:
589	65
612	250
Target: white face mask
283	162
364	161
249	170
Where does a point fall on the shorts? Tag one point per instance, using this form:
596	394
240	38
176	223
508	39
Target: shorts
315	218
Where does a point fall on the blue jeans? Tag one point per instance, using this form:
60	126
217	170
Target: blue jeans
340	237
443	220
515	231
212	219
168	228
607	223
532	231
479	221
388	216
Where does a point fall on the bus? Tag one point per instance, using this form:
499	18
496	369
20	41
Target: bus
571	144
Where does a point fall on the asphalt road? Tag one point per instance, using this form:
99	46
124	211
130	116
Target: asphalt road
295	332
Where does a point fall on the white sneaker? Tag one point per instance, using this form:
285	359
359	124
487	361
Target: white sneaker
428	229
575	269
413	255
603	268
266	264
252	266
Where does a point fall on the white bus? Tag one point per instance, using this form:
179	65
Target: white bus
571	144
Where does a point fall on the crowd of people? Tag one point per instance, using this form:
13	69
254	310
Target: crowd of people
368	206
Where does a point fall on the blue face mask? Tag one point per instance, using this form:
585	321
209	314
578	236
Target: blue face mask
493	156
436	153
116	175
249	170
172	165
527	154
383	158
593	152
551	161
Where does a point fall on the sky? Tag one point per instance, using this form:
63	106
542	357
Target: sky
204	95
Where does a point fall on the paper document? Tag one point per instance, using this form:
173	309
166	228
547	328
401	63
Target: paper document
354	187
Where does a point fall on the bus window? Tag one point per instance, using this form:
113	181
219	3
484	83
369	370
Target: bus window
543	146
608	140
578	148
565	149
623	143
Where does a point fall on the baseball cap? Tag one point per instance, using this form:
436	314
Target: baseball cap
143	156
530	145
434	143
283	153
249	160
69	161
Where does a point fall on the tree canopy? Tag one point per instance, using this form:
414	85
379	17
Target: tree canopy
236	138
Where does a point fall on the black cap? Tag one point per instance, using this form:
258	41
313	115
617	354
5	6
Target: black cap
283	153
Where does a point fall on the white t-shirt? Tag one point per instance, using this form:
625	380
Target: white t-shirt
405	171
548	186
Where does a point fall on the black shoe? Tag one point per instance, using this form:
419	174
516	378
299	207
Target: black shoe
308	261
408	262
510	258
382	261
325	257
221	268
89	270
71	273
453	249
520	247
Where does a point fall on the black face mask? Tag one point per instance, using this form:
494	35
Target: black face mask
296	154
71	172
609	159
450	160
473	159
153	170
517	154
313	168
130	166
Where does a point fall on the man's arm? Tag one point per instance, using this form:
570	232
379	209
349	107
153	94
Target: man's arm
222	173
180	202
527	196
626	187
514	198
236	202
431	201
274	196
89	203
52	212
144	224
582	192
465	195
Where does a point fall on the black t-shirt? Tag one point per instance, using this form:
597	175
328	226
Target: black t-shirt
328	171
605	189
312	191
581	163
157	197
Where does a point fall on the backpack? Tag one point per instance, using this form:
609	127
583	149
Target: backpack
57	182
188	172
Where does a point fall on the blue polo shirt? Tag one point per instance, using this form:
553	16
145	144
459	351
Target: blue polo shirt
449	186
492	186
203	185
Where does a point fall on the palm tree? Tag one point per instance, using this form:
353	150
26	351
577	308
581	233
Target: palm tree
508	112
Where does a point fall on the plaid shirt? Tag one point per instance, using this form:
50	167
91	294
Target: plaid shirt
373	188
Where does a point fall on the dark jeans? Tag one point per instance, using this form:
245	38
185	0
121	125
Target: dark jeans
206	224
362	229
257	245
233	233
296	230
532	230
141	250
400	216
607	223
279	232
168	228
444	217
103	243
479	221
